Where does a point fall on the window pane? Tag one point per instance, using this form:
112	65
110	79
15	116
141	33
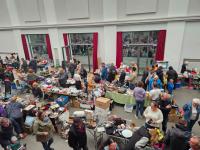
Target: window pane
81	46
139	47
37	45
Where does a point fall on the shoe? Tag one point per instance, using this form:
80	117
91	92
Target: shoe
136	117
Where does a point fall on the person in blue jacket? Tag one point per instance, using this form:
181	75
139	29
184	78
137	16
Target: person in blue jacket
191	112
104	71
153	80
170	86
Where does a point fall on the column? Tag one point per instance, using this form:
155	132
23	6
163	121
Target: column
11	5
109	33
50	11
55	45
175	33
178	7
53	32
174	42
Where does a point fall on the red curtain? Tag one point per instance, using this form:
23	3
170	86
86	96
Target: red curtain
25	46
49	51
65	37
161	45
95	45
119	49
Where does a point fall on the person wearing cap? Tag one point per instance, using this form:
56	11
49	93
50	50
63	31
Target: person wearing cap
191	112
77	138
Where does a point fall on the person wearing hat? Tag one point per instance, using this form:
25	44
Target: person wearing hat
191	112
77	138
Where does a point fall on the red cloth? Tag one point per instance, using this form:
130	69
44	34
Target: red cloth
95	45
49	51
65	37
119	49
161	45
25	46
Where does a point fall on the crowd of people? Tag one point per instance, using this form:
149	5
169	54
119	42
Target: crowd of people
155	84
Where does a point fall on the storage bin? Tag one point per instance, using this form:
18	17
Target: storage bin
178	85
128	108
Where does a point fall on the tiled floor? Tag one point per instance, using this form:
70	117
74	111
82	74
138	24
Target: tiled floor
182	96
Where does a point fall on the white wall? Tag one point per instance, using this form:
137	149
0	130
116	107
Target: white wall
7	42
173	45
191	41
105	17
194	7
31	12
161	9
4	15
63	16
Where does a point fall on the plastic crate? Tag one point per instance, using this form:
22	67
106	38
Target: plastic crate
128	108
178	85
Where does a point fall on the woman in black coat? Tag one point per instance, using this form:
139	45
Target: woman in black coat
77	135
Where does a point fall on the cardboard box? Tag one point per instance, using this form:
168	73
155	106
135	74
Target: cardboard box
76	104
102	102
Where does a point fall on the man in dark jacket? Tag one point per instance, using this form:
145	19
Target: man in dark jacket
111	73
62	77
140	134
177	137
24	65
33	65
172	74
72	68
159	73
77	135
165	107
6	132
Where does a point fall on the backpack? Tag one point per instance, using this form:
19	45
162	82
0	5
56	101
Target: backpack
3	112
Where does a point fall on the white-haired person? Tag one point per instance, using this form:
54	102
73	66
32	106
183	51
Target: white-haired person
191	112
194	143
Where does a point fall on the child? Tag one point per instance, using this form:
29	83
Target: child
170	86
15	144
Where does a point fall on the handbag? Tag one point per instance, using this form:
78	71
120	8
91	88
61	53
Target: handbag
42	137
122	90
